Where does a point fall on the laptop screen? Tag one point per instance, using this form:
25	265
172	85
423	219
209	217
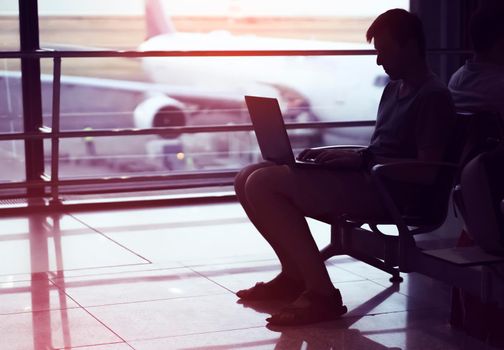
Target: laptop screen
269	128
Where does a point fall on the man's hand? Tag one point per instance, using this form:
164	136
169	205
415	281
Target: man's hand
333	158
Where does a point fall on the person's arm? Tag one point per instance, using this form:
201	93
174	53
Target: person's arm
435	125
433	131
424	155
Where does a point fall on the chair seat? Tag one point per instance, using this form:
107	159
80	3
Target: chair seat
466	256
418	223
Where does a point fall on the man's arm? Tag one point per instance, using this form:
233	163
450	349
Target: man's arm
435	126
424	155
433	134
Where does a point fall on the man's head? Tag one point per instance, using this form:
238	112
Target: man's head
399	41
487	31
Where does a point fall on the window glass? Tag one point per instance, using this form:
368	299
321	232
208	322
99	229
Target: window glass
11	151
11	104
208	91
218	23
109	93
13	165
9	26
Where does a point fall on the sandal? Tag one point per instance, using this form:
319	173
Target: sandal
309	308
280	288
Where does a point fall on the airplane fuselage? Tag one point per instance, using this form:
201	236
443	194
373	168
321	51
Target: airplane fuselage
337	88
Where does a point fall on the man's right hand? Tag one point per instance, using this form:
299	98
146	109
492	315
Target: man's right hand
309	154
333	158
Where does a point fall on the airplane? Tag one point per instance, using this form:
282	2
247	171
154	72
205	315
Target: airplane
310	88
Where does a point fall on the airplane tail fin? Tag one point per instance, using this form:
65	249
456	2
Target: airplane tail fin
157	20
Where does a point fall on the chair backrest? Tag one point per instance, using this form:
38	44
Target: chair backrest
482	190
467	140
476	132
426	206
473	134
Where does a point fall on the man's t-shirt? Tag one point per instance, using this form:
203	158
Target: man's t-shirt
478	87
406	124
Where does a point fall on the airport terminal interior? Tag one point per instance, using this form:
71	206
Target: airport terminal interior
122	127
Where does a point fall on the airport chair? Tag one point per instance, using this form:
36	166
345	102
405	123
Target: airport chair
369	244
471	268
478	198
414	209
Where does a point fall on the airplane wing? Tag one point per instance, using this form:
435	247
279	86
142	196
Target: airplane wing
107	103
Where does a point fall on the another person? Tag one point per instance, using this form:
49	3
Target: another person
414	122
479	84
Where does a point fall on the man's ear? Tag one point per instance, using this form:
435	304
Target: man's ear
412	47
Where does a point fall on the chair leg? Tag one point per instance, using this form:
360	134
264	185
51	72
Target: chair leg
334	247
342	243
396	277
390	258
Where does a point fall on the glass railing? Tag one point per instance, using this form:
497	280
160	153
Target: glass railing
181	131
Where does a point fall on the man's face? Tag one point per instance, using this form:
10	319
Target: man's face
390	55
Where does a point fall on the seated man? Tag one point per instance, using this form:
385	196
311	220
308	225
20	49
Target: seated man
414	122
479	84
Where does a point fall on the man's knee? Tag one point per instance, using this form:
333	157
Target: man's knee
242	176
266	181
239	180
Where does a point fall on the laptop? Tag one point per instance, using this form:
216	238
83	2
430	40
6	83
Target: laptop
271	133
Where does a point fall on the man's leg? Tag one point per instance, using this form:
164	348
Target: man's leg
281	197
289	279
284	224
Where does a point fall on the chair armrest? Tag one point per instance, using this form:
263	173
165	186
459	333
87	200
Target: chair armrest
407	171
407	195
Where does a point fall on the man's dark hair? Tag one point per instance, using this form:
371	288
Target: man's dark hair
401	25
486	29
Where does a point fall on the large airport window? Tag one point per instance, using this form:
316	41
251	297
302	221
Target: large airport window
105	93
156	92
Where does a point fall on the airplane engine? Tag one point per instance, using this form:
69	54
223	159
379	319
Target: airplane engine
163	111
160	111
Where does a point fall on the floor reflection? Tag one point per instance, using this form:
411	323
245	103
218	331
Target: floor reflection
42	231
323	336
332	340
77	281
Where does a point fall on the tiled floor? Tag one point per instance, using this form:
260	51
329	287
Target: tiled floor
164	278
